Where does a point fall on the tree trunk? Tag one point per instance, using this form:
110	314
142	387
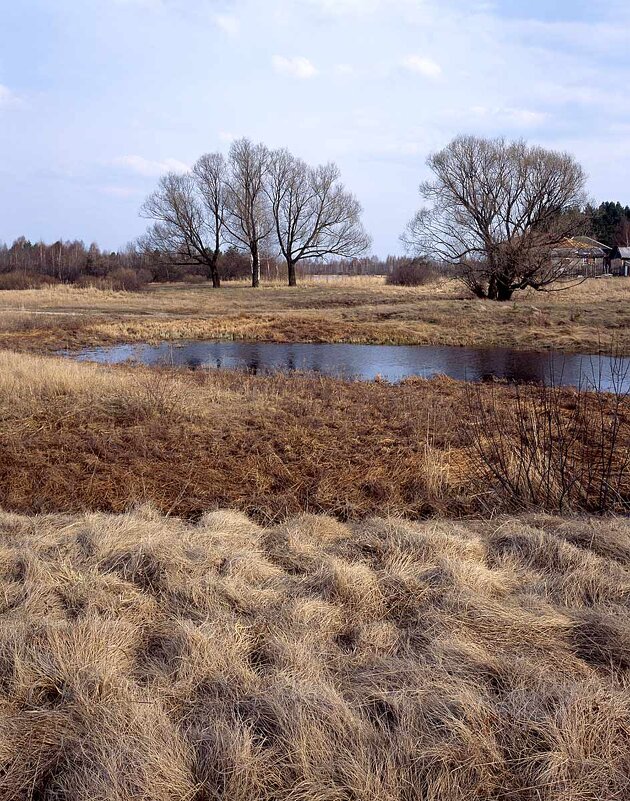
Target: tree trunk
499	288
291	273
255	266
214	272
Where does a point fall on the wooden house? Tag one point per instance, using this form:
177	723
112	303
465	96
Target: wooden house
583	256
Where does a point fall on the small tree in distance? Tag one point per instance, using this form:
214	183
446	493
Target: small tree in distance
248	220
497	211
314	216
188	213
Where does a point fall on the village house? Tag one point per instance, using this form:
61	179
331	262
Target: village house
583	256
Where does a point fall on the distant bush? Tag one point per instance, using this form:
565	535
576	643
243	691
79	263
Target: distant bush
412	272
24	280
234	265
194	278
128	280
122	279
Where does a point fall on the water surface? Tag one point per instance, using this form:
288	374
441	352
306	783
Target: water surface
367	362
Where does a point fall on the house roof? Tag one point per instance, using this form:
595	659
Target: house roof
624	253
584	243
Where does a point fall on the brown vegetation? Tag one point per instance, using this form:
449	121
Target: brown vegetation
362	310
146	659
412	272
75	436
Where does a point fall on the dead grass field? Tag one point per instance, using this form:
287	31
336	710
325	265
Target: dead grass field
77	436
582	319
147	659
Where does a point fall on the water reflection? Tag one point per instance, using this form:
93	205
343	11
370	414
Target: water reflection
366	362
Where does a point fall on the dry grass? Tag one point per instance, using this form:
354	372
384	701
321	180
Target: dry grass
146	659
76	436
356	310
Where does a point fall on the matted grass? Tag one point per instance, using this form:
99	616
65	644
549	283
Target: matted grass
582	319
77	436
147	659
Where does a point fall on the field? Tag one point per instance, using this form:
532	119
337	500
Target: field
146	659
582	319
409	598
77	436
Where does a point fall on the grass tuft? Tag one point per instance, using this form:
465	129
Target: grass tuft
143	657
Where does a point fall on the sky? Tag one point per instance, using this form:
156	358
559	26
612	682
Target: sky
98	98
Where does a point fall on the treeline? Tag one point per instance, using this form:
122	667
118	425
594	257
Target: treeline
610	223
25	265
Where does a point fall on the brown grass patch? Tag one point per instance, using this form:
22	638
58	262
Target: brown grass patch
146	658
76	436
582	319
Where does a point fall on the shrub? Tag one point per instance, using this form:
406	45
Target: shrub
553	449
412	272
128	280
92	282
24	280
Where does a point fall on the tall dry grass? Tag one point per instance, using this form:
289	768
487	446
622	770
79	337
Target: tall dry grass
146	659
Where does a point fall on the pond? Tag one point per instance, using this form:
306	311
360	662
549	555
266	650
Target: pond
367	362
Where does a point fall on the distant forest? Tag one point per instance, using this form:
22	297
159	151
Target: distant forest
24	264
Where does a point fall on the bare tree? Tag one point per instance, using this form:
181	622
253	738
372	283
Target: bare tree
210	172
189	215
248	219
313	214
497	212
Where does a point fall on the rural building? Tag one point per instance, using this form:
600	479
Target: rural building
583	256
620	261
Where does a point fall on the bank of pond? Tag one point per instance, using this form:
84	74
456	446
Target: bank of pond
391	363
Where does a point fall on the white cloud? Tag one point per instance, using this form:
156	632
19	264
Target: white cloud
148	168
7	97
422	66
343	7
228	24
518	117
226	136
152	4
297	66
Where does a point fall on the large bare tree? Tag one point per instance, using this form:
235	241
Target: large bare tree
313	214
497	211
188	211
248	218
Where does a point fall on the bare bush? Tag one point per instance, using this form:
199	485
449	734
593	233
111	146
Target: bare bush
128	280
554	448
412	272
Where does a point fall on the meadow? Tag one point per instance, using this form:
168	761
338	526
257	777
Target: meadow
216	585
77	436
582	319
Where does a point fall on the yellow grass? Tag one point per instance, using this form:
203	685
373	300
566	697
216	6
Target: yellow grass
581	319
146	659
